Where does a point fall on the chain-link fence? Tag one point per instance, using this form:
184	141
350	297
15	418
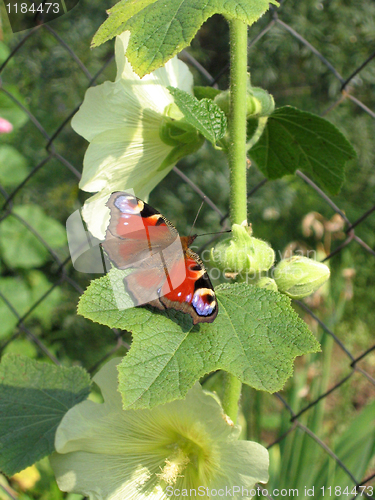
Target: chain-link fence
60	271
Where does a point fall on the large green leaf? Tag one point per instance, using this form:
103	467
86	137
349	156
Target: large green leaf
34	397
4	52
160	30
21	295
39	286
256	337
18	297
295	139
204	115
19	246
205	92
10	110
13	166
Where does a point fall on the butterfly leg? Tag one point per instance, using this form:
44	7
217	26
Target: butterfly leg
159	295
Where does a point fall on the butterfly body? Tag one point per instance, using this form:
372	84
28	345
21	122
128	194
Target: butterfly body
166	273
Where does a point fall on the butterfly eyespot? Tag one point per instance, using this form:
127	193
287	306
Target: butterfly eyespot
127	204
203	302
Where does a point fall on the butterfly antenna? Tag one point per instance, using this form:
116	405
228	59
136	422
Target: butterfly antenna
196	217
217	232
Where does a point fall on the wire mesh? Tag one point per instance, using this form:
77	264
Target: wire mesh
61	269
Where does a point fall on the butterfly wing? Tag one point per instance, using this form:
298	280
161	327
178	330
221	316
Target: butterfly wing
195	295
140	239
165	272
161	273
136	231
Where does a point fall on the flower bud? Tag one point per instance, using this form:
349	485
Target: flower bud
267	283
222	100
242	253
5	126
299	276
258	102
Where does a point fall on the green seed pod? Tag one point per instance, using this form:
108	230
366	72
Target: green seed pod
267	283
242	253
299	276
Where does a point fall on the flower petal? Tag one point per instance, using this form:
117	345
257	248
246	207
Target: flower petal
123	157
108	421
96	214
102	477
174	73
105	107
245	463
122	63
131	166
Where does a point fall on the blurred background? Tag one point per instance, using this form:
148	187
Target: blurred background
315	55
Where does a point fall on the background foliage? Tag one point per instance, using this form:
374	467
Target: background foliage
49	74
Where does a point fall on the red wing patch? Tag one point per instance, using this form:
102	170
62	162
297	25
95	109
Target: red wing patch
165	272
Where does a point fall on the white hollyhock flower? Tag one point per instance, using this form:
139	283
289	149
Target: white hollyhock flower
108	453
122	121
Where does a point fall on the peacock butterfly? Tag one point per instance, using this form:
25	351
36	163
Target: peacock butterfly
165	272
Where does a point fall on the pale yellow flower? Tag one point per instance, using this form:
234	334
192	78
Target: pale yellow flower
122	121
108	453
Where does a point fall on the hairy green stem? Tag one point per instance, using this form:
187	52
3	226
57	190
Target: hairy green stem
231	398
237	164
237	120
